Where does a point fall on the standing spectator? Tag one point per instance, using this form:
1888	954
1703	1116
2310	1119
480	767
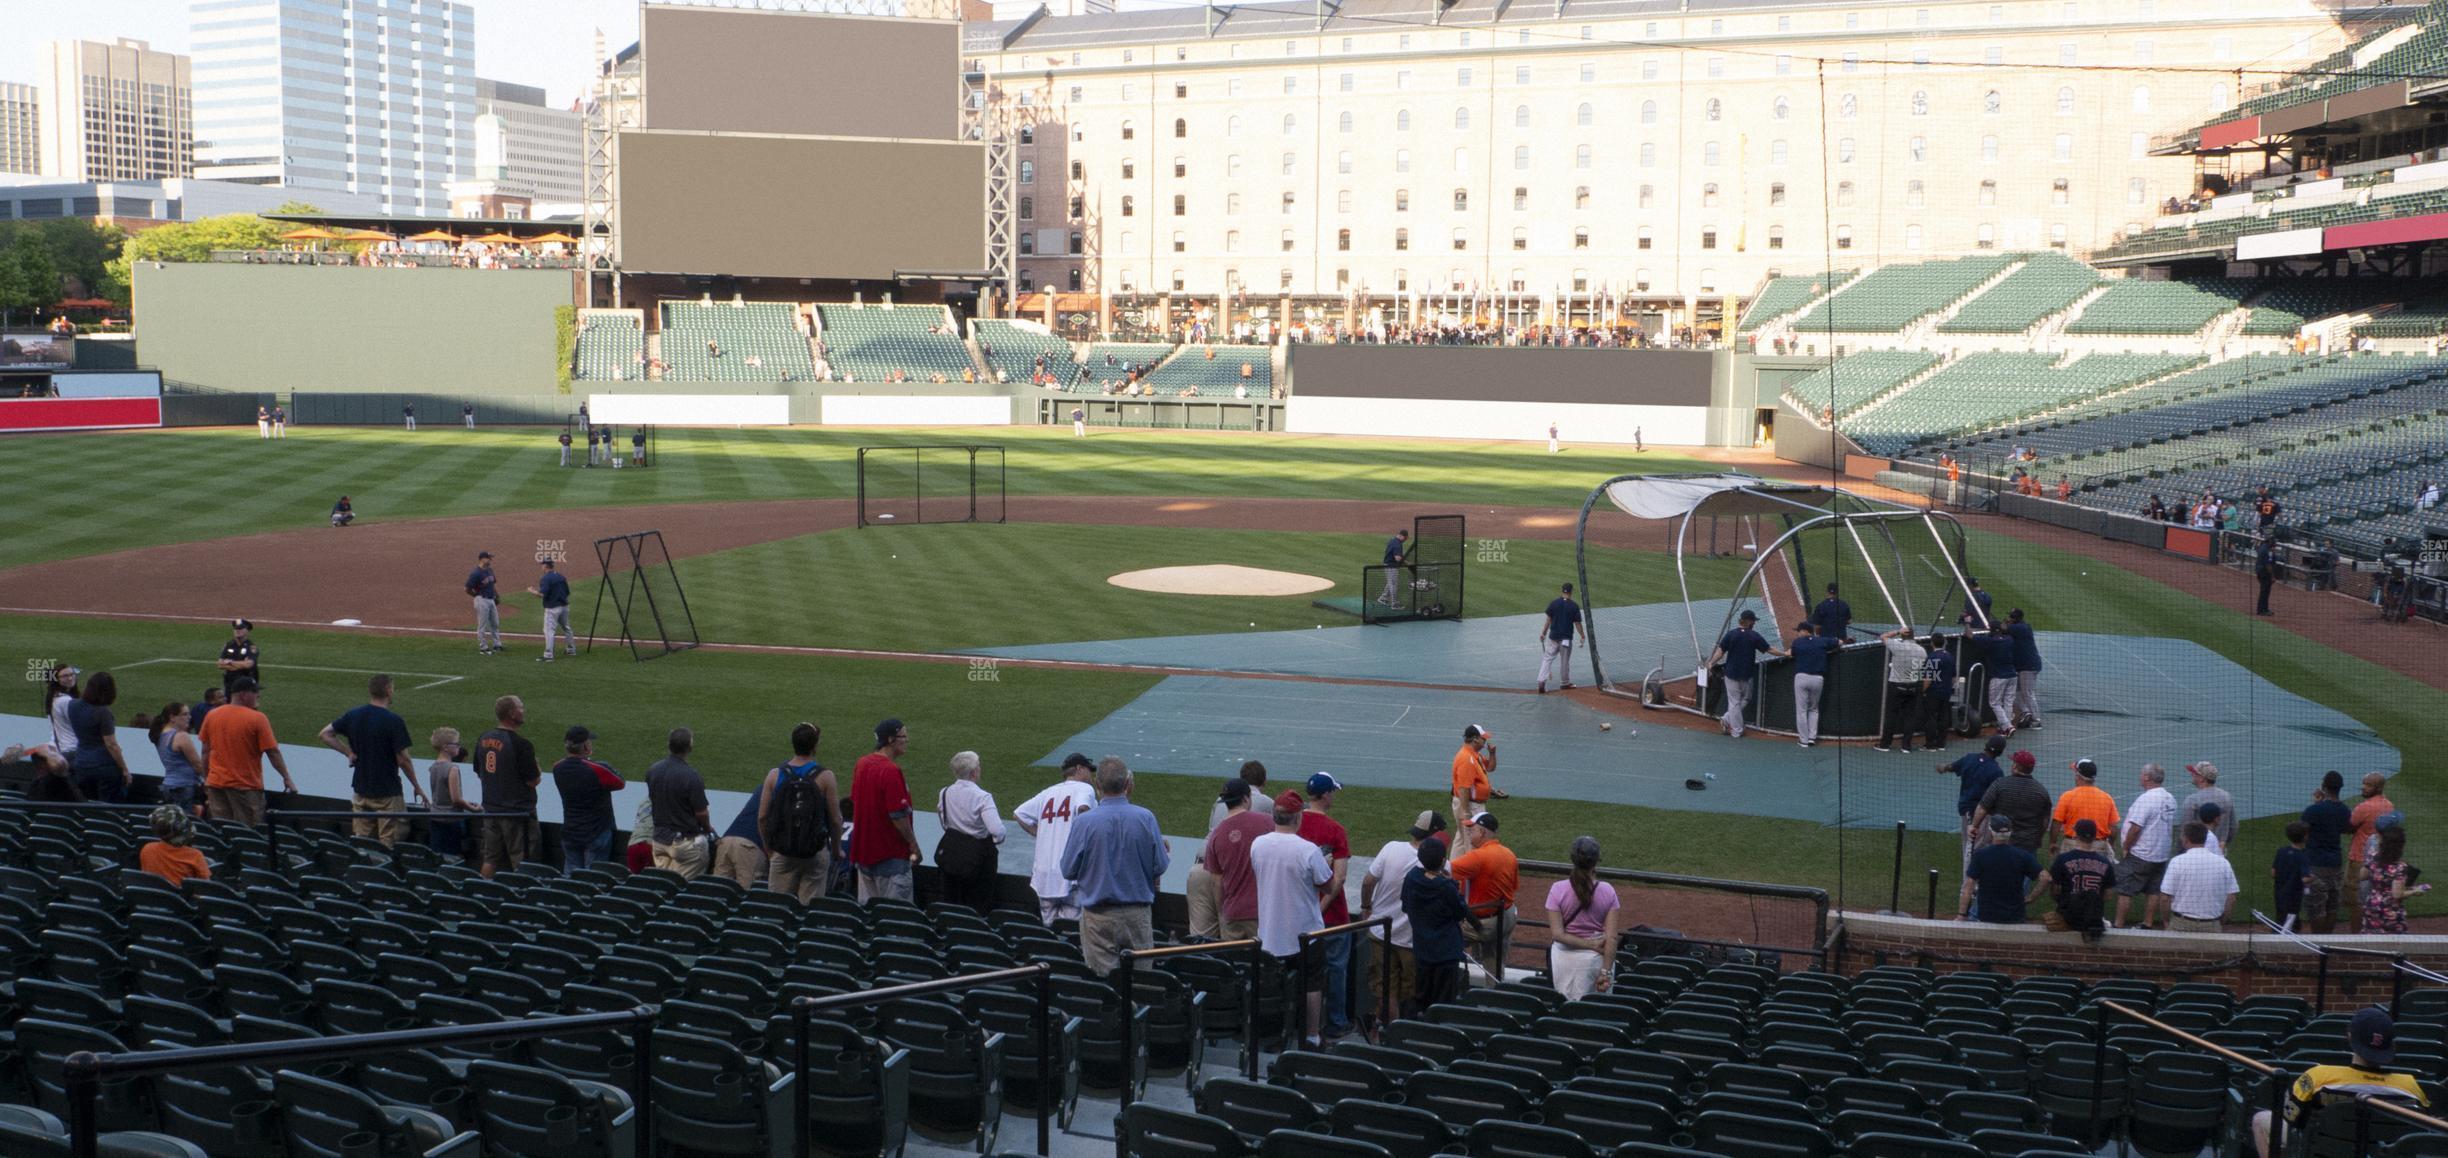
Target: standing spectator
1227	855
2149	836
1833	617
799	819
2079	878
1200	891
2207	794
98	768
1907	675
171	854
60	692
1937	694
507	773
1584	917
2372	1039
239	657
2027	670
2367	813
2290	872
2265	570
1490	875
2084	801
883	847
1563	620
1974	773
182	759
2201	887
553	591
448	837
739	850
1116	856
586	786
1328	834
2388	884
965	858
486	593
1433	902
1810	651
1471	764
1739	651
1381	896
237	740
2326	821
2020	800
683	833
1996	651
2004	878
1048	817
374	740
1290	874
467	415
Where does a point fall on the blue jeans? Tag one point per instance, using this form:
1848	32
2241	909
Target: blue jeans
577	855
1338	985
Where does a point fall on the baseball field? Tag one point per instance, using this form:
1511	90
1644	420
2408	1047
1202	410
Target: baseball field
132	552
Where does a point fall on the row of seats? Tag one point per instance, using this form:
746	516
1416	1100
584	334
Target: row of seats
1215	371
2135	306
2047	283
2285	307
1891	297
1785	294
1986	387
2180	236
750	342
611	347
1852	381
873	342
2221	377
1012	351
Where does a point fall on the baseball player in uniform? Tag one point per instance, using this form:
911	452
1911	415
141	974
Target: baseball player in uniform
408	412
482	589
280	422
263	422
554	592
467	414
1397	549
637	447
1079	422
1557	629
612	447
565	445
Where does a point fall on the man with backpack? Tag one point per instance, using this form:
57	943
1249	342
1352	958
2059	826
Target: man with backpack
799	819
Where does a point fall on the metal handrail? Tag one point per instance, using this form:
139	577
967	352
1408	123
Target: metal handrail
85	1070
2099	1065
1385	959
804	1010
1817	896
1129	964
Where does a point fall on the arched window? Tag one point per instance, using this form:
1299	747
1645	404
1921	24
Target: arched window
1521	157
1028	248
2063	147
1402	240
1916	150
1232	126
1130	242
1648	155
1402	160
1912	236
1028	209
1078	208
1913	195
1079	170
1181	128
1232	241
1844	193
1581	237
1461	119
1640	280
1776	237
1402	120
1181	205
1181	166
1232	165
1181	244
1844	150
1708	195
1780	108
1711	153
2141	98
1581	196
1461	239
1993	103
1988	192
1714	110
1343	122
1521	197
1126	205
1232	204
1342	239
1844	237
1848	106
1461	160
1285	241
1028	134
1028	172
1461	200
1521	238
1648	112
1776	194
1518	280
1989	149
1918	105
1343	200
1402	201
1290	160
1075	241
1643	237
1584	115
1521	116
1127	131
1343	161
2065	101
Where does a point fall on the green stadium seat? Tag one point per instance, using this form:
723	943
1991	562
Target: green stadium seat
324	1119
1153	1131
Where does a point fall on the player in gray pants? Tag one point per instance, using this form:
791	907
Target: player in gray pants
481	589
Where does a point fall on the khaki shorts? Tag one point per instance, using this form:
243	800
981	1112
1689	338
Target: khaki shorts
738	858
1105	933
242	805
390	829
501	841
2178	924
803	877
1405	971
689	857
1238	930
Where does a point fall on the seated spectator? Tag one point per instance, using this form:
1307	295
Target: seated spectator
640	856
32	763
2372	1040
171	854
2078	880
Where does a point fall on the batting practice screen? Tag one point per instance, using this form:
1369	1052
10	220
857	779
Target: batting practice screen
1408	591
930	484
649	609
1438	539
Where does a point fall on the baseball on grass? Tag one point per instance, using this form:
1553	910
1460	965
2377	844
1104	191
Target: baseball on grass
1606	727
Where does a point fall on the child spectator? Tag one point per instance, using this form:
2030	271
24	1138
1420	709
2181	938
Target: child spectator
448	837
171	854
2290	869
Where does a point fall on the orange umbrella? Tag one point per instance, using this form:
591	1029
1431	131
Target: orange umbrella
496	238
556	237
364	235
310	233
433	235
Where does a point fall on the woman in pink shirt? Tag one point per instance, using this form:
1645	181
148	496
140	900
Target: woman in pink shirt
1583	918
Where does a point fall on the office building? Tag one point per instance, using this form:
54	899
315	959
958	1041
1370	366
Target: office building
512	135
20	129
116	112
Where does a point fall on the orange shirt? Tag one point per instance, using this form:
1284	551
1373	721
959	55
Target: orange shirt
2086	802
1489	873
1470	780
2367	816
236	737
171	862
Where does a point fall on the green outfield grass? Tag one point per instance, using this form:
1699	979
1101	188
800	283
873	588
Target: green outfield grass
145	489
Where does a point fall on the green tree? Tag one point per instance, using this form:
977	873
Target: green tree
31	281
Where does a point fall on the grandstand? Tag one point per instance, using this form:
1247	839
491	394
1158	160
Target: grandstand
1892	297
1108	363
1011	350
2355	482
707	341
1989	387
1786	294
2135	306
874	343
1215	371
2046	284
611	346
1855	380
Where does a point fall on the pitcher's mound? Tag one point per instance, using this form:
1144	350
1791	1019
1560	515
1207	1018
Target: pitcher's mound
1220	579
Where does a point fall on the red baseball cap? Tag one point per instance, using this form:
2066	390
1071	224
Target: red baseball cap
1290	801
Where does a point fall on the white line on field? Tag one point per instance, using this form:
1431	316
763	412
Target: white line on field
435	679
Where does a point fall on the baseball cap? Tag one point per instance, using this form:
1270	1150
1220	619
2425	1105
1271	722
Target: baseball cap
2085	768
2372	1035
2000	824
484	554
1748	617
2086	829
1995	745
1321	783
1486	820
2024	759
243	685
1290	801
2204	769
1077	760
242	625
1429	822
577	734
1235	791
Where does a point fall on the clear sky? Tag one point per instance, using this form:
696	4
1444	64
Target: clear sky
537	42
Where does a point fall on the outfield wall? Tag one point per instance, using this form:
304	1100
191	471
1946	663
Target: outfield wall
347	329
1665	396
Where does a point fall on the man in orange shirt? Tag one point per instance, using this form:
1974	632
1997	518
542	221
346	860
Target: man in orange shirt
1489	875
2367	813
1471	764
2084	801
237	738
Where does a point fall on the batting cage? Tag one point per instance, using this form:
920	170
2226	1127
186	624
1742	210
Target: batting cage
1429	585
950	483
650	610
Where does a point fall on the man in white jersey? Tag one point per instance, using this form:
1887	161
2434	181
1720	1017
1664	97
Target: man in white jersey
1047	817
